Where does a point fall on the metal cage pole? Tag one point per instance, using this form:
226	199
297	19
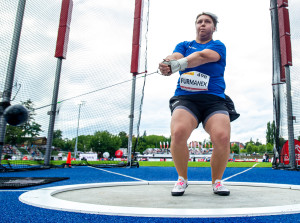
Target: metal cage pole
136	45
276	74
60	54
292	157
52	113
11	70
131	117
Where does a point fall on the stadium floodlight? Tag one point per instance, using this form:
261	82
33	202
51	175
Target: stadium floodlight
81	103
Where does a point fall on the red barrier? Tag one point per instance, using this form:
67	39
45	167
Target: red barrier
282	3
136	38
284	156
64	29
284	37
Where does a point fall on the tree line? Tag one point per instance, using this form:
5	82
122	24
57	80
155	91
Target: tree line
100	141
104	141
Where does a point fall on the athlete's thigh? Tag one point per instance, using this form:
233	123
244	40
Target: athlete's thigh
183	121
218	124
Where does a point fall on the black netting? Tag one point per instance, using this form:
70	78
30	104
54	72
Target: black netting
20	182
96	74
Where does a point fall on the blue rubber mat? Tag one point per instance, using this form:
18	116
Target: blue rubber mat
15	211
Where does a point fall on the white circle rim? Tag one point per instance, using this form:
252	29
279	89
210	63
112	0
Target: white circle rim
44	198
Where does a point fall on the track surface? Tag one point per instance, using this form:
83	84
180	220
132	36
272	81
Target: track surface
15	211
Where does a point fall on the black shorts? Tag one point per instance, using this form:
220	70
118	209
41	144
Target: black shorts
203	106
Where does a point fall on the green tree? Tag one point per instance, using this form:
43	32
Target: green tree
270	133
249	148
153	141
31	129
269	148
255	149
243	150
124	139
142	144
57	134
58	142
235	149
258	143
262	149
13	135
85	141
250	142
69	145
103	141
82	143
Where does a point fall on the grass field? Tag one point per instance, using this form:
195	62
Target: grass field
141	163
204	164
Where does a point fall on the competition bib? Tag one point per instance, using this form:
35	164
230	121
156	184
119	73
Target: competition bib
194	81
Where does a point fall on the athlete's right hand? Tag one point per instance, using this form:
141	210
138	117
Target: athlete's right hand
165	67
174	65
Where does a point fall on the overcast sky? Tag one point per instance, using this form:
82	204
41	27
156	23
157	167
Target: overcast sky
99	52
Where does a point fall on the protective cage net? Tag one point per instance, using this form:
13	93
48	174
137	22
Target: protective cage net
95	83
280	92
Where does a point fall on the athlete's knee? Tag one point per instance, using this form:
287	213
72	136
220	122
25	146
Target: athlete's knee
221	137
179	133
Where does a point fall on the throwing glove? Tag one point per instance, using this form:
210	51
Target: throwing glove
177	65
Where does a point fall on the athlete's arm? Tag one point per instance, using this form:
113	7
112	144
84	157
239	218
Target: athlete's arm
193	60
202	57
174	56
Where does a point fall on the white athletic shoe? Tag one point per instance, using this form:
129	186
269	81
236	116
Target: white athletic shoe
179	187
220	189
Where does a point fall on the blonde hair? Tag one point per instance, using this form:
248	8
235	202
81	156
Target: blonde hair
211	15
